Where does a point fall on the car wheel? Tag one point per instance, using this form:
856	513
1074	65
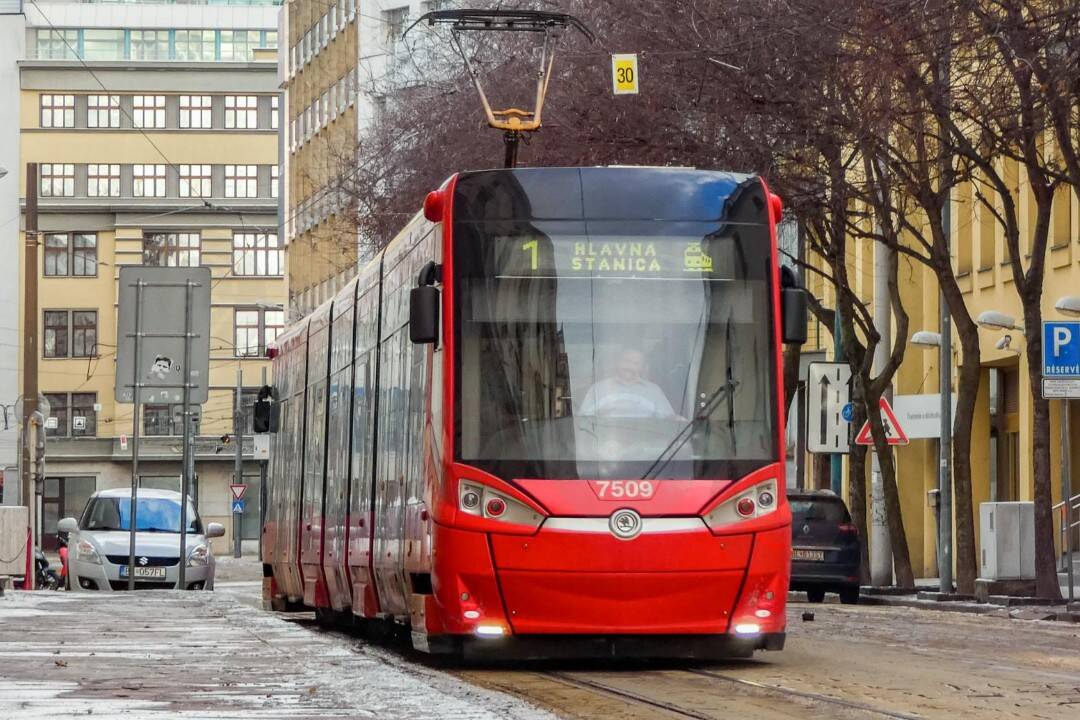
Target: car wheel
849	596
815	595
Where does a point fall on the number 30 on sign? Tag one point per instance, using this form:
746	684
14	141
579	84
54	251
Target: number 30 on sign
624	74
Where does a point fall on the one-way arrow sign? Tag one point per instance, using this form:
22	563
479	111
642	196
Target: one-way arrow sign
828	390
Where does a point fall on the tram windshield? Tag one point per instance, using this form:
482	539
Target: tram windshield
614	349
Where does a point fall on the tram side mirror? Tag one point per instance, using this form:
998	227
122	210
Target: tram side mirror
424	307
793	308
265	413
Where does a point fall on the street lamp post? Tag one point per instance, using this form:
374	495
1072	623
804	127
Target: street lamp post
942	341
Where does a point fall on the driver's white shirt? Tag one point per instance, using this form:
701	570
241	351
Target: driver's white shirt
611	398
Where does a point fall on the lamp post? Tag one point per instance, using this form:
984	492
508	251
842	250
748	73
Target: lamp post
928	339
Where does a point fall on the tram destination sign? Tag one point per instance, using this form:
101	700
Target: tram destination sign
161	325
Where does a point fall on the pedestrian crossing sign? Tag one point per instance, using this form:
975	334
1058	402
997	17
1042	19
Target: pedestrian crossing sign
894	434
238	507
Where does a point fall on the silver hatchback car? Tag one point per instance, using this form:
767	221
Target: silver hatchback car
98	543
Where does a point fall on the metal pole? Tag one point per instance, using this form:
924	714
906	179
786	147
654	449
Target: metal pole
881	570
30	348
836	460
1066	491
945	515
137	392
238	472
800	395
262	486
188	458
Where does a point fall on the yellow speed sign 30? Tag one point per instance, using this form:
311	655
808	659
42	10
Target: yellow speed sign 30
624	74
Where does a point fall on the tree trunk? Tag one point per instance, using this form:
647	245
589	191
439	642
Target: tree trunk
905	578
966	395
857	495
1046	579
967	392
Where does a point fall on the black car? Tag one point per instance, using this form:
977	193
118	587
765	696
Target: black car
824	547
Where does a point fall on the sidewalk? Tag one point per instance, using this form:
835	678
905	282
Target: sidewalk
209	655
926	597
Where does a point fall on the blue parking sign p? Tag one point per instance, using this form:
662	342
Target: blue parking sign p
1061	348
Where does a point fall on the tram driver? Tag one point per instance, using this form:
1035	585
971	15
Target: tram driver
627	392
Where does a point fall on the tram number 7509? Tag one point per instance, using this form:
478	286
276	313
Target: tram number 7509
625	489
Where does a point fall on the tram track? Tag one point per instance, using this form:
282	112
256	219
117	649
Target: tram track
672	693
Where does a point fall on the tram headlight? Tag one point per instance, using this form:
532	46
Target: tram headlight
754	502
483	502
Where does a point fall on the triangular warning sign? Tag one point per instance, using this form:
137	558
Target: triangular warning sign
894	434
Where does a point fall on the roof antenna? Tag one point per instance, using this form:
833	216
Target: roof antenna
514	122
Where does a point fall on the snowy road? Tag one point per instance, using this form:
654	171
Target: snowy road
209	655
217	655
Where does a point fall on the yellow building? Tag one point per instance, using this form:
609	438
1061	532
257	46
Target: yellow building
1002	428
157	147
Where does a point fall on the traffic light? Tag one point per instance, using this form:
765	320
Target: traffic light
265	415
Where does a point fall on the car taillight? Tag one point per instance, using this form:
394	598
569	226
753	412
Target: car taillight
751	503
848	529
483	502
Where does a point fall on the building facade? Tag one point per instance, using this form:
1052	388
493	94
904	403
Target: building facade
154	128
1002	431
339	67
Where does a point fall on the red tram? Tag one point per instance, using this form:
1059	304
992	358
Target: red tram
547	420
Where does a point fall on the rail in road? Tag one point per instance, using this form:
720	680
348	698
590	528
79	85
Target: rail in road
853	662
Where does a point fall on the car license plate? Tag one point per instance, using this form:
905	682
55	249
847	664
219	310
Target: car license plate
812	555
144	572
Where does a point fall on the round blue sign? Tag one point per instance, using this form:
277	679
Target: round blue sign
847	413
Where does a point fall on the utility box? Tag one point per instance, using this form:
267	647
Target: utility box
14	533
1007	541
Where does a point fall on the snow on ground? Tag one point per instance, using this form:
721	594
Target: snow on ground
208	655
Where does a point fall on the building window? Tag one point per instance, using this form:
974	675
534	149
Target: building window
56	334
171	249
83	333
395	20
195	181
236	45
248	397
70	254
275	110
84	255
257	328
57	111
149	111
73	415
275	182
57	44
148	181
58	409
103	44
57	180
241	181
103	111
257	254
195	45
70	333
149	44
195	111
241	112
159	420
83	414
103	180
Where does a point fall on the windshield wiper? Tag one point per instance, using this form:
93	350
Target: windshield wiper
724	391
720	393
